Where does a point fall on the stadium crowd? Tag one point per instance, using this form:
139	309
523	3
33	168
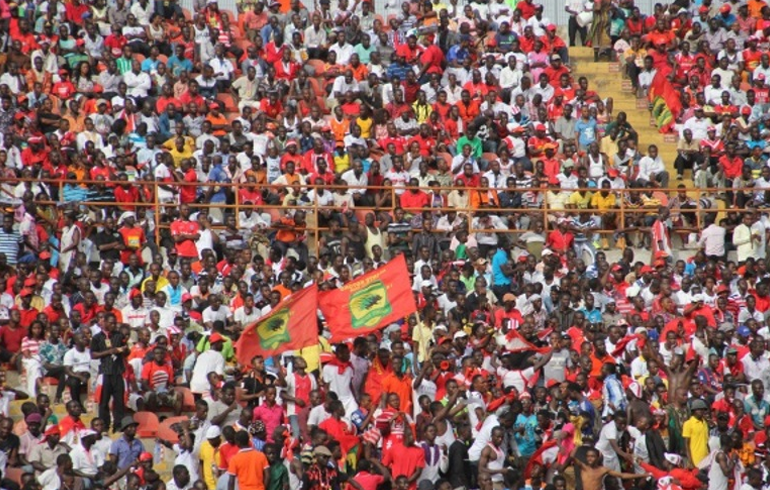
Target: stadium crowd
165	172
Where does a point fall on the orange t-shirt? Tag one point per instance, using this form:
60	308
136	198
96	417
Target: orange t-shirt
249	467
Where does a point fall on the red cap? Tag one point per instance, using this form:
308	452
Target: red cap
25	292
134	293
45	255
646	269
660	263
725	9
617	267
722	289
613	172
703	10
80	42
145	456
19	116
52	430
30	281
186	297
551	27
216	337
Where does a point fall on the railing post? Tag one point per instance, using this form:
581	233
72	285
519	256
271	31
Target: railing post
622	220
316	233
157	212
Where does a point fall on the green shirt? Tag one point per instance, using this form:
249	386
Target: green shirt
227	348
476	148
279	477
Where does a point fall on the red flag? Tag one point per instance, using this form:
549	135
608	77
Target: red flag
372	301
514	342
293	324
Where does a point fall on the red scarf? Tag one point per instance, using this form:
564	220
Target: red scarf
341	366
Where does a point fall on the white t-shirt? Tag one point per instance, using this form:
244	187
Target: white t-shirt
209	361
222	314
80	362
84	461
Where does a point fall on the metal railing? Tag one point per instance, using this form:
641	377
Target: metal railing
624	210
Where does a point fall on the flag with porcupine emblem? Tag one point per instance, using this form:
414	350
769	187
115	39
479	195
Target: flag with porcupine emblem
372	301
291	325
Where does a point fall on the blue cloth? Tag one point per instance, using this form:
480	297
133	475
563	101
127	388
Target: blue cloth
527	441
218	175
758	409
73	193
398	70
457	53
149	65
177	66
126	452
498	261
586	131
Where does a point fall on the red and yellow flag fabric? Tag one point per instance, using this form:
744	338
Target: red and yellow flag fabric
292	325
374	300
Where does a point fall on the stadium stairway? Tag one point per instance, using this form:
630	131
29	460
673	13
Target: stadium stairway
607	80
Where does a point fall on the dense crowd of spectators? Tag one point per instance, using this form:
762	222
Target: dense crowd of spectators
345	137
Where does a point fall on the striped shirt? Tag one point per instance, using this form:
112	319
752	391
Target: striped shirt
10	244
31	345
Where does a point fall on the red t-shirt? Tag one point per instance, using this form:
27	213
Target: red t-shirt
185	248
403	460
418	200
11	338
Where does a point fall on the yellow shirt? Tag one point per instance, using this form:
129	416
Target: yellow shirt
697	431
366	127
580	201
601	202
209	456
608	146
422	334
161	283
178	156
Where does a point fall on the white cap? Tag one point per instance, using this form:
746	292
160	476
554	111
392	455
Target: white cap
213	432
546	251
460	334
535	297
426	284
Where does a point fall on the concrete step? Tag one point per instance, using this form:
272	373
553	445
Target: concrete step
598	68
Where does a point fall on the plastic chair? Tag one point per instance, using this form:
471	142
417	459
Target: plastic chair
14	474
489	156
227	99
318	65
166	432
148	424
188	400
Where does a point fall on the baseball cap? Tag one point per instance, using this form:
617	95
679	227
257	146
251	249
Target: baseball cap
216	337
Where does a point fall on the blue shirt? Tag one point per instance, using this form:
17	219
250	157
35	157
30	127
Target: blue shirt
498	261
149	65
398	70
527	441
218	175
586	131
757	409
177	66
126	452
456	53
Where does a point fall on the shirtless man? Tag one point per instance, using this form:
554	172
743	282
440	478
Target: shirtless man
592	474
678	373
